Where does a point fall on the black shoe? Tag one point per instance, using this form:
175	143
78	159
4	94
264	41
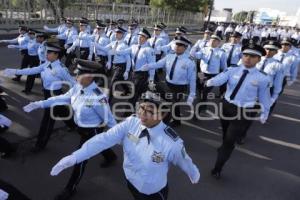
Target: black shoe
241	141
175	123
108	162
216	174
26	91
16	79
36	149
65	194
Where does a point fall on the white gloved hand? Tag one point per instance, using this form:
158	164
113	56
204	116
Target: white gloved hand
151	85
108	65
3	195
145	67
45	27
190	100
32	106
5	121
195	179
11	46
69	50
125	75
90	57
66	46
263	119
289	83
64	163
9	72
1	41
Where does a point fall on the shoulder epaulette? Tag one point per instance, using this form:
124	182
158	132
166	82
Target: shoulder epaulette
97	91
171	133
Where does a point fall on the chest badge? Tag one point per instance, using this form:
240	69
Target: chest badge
157	157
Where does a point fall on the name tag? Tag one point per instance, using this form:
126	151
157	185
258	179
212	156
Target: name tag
236	76
133	138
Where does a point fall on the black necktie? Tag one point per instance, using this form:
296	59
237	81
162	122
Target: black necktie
210	57
173	68
239	84
282	57
145	133
153	44
230	56
205	43
264	65
49	66
129	41
81	92
136	55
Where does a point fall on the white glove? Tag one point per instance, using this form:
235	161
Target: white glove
263	119
3	195
5	121
209	83
108	65
9	72
190	100
69	50
45	27
151	85
66	46
32	106
1	41
90	57
145	67
289	83
11	46
125	75
196	179
64	163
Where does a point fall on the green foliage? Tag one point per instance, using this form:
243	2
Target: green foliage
240	16
189	5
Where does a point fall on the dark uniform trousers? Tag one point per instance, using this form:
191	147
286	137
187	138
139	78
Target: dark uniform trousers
161	195
61	42
84	52
24	62
14	193
69	57
204	90
78	170
47	123
140	81
234	126
33	62
172	93
159	73
103	70
272	89
5	147
118	71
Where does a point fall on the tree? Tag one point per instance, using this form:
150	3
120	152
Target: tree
240	16
189	5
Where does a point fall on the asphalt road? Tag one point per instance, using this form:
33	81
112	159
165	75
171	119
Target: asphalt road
265	168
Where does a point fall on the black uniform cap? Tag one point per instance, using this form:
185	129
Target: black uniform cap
86	66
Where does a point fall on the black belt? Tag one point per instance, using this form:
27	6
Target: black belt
84	48
141	72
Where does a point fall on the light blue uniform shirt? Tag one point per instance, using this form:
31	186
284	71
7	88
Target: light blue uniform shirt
145	56
236	54
165	37
117	45
32	47
290	64
69	35
184	71
83	40
146	165
90	106
21	40
42	52
133	40
99	41
199	45
274	69
170	48
53	77
59	30
255	87
213	60
159	42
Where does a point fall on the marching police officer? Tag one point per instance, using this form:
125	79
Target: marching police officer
245	84
119	63
149	146
213	61
180	74
156	41
83	41
141	55
91	114
59	30
22	41
131	37
53	75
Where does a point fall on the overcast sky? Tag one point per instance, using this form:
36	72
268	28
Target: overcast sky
289	6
